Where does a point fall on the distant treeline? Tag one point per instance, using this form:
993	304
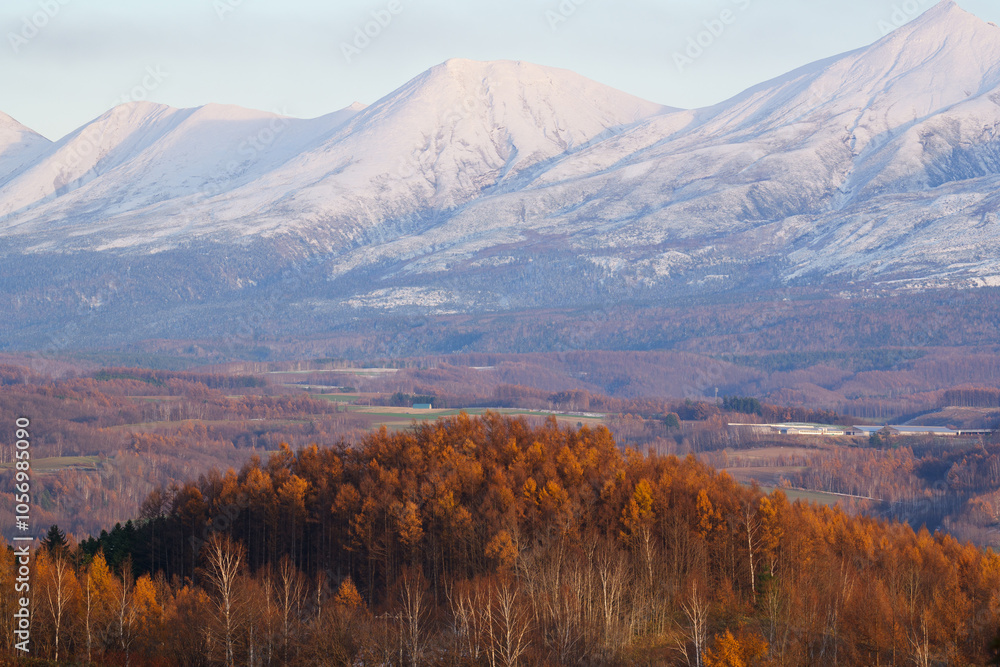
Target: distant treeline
159	378
973	397
882	359
743	404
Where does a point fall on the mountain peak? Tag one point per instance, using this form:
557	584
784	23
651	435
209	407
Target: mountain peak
139	107
19	146
947	7
949	53
514	105
215	111
460	64
947	18
499	80
8	121
10	126
476	71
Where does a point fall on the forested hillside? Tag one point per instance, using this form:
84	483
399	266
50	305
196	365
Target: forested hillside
105	440
491	542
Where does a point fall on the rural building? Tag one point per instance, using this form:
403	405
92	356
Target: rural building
422	406
942	431
922	430
795	428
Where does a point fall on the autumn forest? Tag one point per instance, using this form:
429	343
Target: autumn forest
287	518
487	541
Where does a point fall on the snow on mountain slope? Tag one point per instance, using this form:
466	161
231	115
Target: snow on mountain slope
941	58
876	164
443	139
81	156
916	110
849	127
139	154
920	239
19	147
439	141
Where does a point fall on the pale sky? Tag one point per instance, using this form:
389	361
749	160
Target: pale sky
288	56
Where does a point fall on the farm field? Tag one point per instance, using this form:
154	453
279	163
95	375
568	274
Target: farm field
153	425
338	398
774	466
398	418
357	405
818	497
57	463
767	455
770	475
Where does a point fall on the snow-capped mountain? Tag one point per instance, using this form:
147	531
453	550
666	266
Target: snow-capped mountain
810	150
437	143
457	132
149	161
876	166
19	147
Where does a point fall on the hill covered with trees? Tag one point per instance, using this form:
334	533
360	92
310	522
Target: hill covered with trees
489	541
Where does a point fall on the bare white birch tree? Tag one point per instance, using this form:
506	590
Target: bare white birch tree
696	612
224	559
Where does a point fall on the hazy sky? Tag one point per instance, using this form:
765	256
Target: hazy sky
289	56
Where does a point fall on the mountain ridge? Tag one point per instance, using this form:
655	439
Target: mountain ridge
877	167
